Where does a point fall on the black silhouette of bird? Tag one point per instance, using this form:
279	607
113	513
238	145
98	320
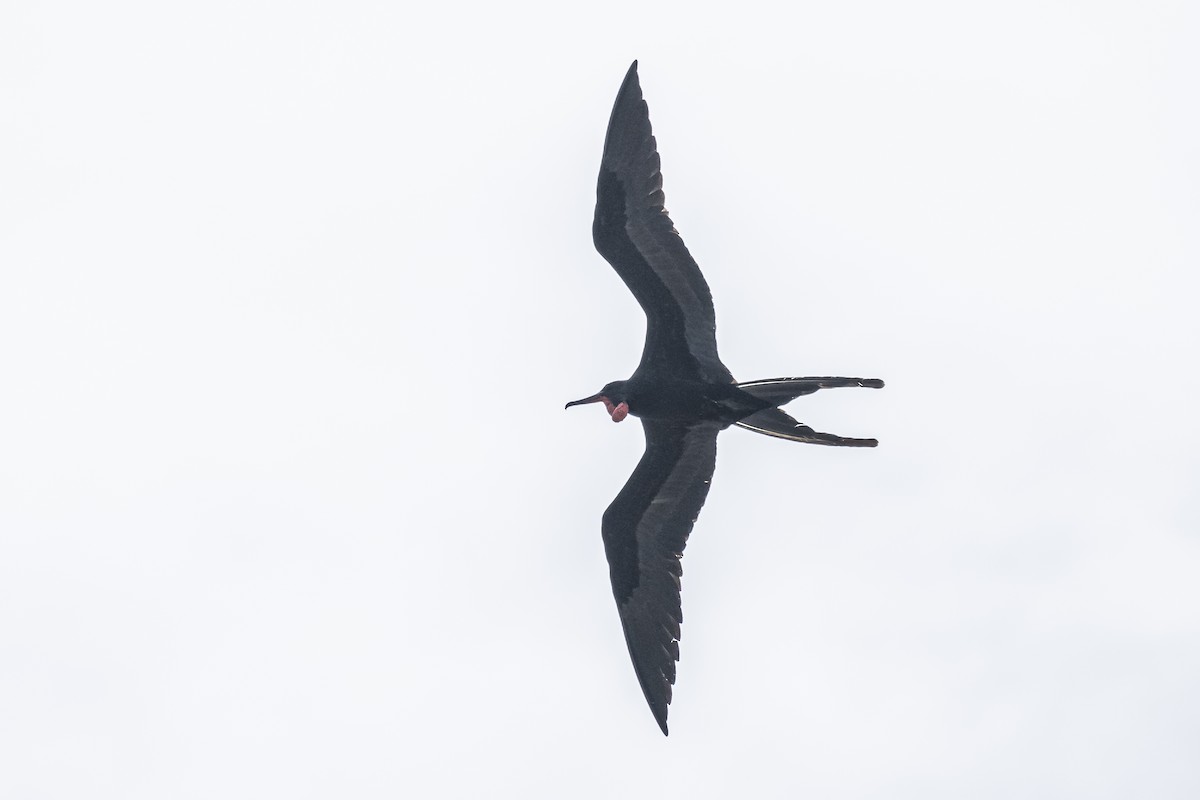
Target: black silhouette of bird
681	391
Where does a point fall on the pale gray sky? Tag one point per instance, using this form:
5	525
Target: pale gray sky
291	297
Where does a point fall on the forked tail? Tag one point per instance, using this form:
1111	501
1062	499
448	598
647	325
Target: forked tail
776	422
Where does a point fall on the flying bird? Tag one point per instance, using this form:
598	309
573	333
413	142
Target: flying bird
681	391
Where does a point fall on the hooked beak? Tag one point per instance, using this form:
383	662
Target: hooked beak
596	398
617	412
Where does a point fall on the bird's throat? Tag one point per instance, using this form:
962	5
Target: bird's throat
617	412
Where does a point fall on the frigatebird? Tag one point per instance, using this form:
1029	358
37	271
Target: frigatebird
681	391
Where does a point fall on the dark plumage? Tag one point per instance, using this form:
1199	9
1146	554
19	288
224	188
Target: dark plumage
681	391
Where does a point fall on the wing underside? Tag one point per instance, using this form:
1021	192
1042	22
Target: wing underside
645	530
635	235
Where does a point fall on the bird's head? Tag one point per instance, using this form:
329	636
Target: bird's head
614	399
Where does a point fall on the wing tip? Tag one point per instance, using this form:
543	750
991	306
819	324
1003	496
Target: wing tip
631	79
659	709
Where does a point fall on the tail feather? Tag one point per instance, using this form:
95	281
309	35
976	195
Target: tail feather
782	390
776	422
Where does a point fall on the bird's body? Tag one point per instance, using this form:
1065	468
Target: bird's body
681	391
681	400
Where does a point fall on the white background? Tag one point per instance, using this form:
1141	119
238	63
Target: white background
292	294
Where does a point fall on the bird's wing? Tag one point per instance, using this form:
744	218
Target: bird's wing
634	234
645	530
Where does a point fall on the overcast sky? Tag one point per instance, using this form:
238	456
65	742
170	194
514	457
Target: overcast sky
292	295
